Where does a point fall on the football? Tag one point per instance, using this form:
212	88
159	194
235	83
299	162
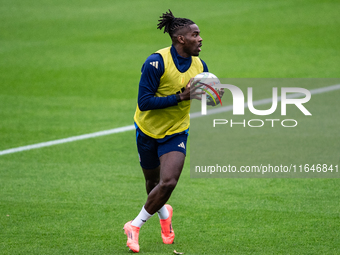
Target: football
206	82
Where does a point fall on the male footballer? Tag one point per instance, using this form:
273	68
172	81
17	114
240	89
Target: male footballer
162	121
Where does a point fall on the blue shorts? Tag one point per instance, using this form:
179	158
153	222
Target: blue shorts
151	149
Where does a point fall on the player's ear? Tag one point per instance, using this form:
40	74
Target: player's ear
180	39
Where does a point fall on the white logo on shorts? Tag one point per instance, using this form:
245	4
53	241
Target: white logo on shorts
181	145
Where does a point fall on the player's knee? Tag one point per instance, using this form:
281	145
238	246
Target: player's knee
168	185
150	184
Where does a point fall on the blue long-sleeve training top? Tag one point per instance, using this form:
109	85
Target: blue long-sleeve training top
150	79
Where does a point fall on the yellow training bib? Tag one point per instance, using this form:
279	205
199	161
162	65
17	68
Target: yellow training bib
159	123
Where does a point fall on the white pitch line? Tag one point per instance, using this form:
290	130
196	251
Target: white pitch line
132	127
67	140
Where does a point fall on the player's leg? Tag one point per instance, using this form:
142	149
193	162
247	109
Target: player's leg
171	154
149	161
151	178
151	181
164	172
170	171
132	228
171	168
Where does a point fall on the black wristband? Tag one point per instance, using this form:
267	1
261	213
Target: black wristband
178	98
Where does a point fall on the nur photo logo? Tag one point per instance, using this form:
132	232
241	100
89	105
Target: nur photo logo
289	96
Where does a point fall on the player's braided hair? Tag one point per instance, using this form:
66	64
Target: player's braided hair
172	24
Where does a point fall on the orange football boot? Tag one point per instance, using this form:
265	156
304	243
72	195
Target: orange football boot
132	233
168	234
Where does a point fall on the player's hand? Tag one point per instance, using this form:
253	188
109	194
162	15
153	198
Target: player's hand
190	91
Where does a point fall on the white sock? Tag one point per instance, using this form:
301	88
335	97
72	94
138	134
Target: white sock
142	217
163	213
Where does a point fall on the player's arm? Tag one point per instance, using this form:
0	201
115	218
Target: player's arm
152	71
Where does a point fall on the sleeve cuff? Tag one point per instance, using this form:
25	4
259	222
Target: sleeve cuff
178	98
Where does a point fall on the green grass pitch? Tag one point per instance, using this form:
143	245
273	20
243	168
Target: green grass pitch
72	67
